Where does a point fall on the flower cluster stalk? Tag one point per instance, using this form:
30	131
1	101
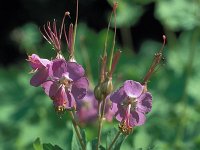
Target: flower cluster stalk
105	81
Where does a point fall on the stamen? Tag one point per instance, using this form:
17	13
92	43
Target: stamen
65	82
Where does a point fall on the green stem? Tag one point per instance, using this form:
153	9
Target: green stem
77	130
106	41
114	140
113	46
101	117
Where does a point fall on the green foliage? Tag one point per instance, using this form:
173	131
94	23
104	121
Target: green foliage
75	142
27	37
178	14
37	145
128	13
51	147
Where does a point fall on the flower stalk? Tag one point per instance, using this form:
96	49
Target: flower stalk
114	140
105	86
101	118
77	130
113	46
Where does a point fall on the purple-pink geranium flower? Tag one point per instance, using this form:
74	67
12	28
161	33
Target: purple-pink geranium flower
40	68
133	102
87	109
66	84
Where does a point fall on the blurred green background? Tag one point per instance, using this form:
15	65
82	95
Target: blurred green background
173	124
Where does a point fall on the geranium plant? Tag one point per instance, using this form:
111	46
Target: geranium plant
64	81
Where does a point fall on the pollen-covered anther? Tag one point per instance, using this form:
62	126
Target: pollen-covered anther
59	109
125	128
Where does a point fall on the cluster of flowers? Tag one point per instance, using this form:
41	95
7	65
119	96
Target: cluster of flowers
64	81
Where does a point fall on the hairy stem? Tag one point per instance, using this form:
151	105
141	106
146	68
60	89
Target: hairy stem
77	130
101	117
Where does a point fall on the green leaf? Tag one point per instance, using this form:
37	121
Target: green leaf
75	141
148	148
27	36
92	145
111	135
184	61
37	144
178	14
51	147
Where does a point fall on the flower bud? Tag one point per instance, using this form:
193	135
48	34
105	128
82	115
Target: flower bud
107	86
98	92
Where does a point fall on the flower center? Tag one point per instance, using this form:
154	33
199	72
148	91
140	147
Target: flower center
133	102
124	126
66	82
130	102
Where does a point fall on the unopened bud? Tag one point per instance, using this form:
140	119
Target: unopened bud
98	92
107	86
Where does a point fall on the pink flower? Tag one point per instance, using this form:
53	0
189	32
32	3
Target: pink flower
66	84
132	104
40	68
87	109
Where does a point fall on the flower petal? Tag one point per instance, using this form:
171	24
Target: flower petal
50	88
70	101
132	88
137	118
144	104
120	114
118	96
110	110
40	77
36	62
60	97
75	70
58	68
87	108
79	88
